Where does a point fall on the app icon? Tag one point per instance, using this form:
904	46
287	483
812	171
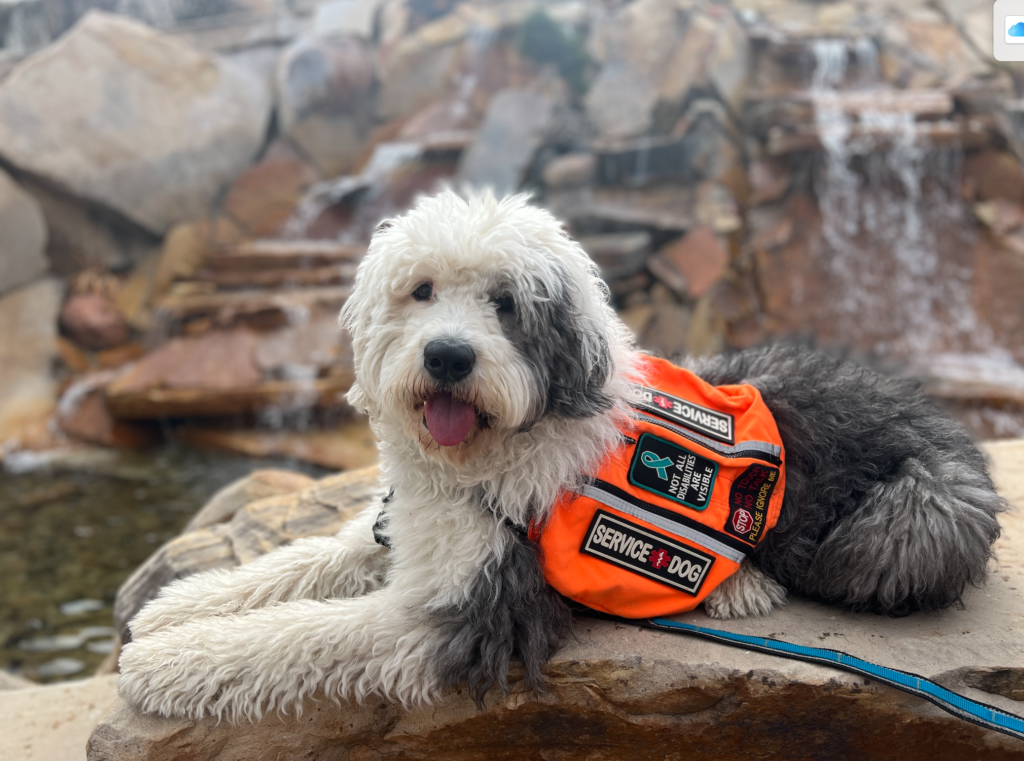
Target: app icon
1014	26
1008	30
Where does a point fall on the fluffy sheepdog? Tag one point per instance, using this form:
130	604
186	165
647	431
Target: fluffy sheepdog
495	373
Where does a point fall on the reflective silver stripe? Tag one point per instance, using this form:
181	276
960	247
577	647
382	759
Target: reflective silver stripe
744	446
683	532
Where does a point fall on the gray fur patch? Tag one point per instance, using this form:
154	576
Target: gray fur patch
889	506
567	353
510	613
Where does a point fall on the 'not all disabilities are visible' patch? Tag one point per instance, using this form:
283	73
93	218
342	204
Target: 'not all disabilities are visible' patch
672	471
646	552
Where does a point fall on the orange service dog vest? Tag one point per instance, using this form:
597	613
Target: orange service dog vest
696	484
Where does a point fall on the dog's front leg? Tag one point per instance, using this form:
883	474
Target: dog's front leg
346	565
242	666
748	592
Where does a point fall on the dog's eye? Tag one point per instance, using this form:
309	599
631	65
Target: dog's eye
423	292
505	304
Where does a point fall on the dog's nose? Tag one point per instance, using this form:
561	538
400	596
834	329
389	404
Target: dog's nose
448	361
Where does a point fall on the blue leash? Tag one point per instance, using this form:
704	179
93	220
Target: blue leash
970	710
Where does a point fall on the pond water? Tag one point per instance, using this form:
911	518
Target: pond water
70	534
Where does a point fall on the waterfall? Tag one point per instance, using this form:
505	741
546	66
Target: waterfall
390	157
385	159
885	195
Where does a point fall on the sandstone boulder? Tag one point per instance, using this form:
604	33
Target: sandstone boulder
571	170
53	723
86	235
616	690
656	56
618	254
348	446
83	414
421	67
93	321
28	345
124	116
22	236
219	373
14	682
699	257
264	196
640	41
245	520
513	130
994	174
355	17
325	92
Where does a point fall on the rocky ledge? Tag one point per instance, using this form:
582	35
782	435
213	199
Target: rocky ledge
618	691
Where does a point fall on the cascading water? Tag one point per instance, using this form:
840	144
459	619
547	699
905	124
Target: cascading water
885	196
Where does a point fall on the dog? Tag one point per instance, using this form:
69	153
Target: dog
494	373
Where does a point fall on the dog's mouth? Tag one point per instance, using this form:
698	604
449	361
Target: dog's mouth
448	419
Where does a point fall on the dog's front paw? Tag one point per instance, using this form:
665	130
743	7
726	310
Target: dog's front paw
205	594
748	592
174	673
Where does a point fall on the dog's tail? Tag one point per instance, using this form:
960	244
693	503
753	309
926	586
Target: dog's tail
889	506
916	541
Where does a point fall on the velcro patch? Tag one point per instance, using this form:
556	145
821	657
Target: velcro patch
645	552
663	467
711	423
748	502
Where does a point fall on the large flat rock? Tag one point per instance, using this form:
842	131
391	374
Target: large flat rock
53	723
617	691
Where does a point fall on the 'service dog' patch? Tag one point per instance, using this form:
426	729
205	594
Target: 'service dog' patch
711	423
645	552
672	471
748	502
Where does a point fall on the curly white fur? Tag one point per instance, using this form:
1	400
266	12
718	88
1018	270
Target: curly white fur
341	615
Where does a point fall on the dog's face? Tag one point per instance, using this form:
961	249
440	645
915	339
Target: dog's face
473	320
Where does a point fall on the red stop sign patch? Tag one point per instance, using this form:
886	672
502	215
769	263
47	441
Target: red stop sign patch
742	521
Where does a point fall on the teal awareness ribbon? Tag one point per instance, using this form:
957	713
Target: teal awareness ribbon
660	464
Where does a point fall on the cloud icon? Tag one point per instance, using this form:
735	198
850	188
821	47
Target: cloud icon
1017	30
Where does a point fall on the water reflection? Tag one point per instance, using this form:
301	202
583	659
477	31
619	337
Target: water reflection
72	531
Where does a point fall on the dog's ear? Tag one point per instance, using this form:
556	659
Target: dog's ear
357	399
354	318
581	367
567	349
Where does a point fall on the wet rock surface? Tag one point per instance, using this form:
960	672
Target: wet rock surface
616	689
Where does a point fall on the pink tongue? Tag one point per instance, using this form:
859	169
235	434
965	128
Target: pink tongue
448	420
